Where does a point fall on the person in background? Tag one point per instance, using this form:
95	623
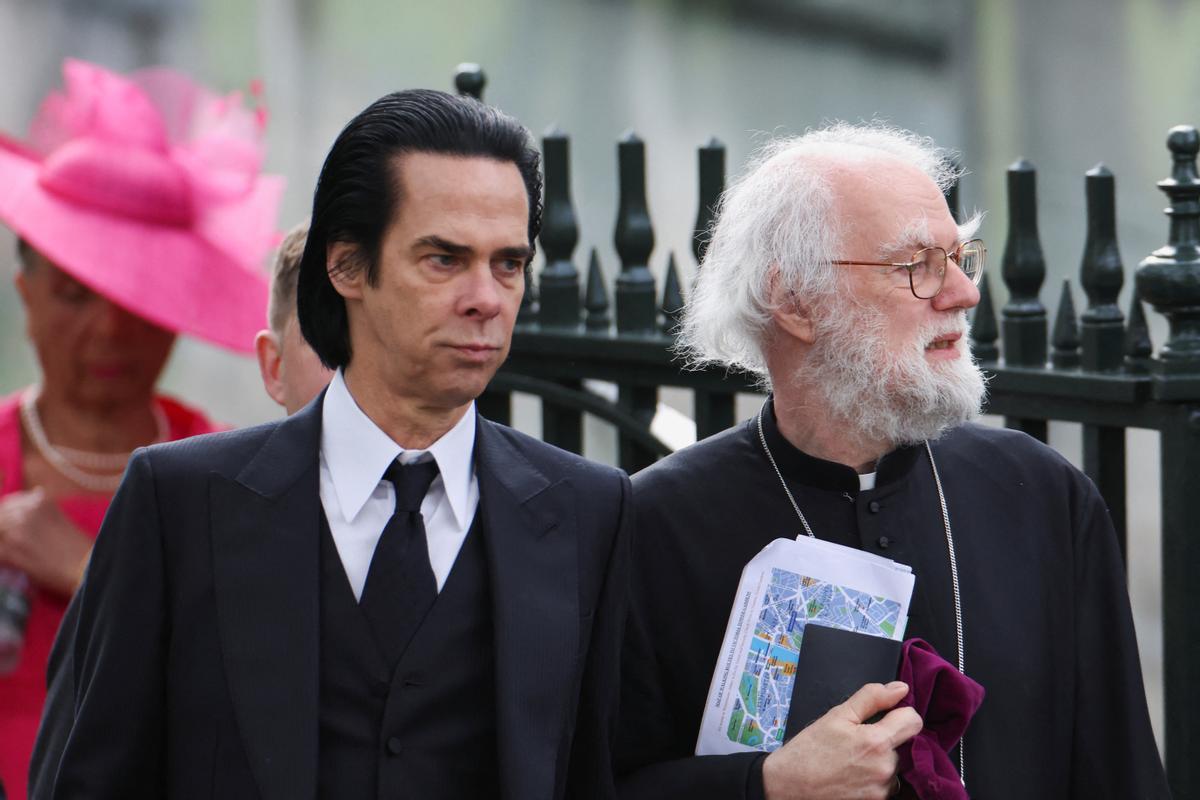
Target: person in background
140	214
291	372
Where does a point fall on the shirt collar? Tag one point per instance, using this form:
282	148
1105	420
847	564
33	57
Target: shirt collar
357	452
455	456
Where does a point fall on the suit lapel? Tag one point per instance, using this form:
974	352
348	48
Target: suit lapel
533	565
266	575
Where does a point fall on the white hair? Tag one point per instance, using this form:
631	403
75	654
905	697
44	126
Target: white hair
775	227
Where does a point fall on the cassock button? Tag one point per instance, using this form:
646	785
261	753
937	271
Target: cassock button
884	543
394	746
873	506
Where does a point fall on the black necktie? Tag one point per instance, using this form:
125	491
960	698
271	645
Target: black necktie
400	587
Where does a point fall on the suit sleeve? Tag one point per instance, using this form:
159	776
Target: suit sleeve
59	710
1114	754
590	773
113	747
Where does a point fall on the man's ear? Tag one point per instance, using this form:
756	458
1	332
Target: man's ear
270	364
792	315
347	277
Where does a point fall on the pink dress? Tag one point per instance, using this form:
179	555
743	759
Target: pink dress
23	691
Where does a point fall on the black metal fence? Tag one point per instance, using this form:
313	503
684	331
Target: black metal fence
1097	369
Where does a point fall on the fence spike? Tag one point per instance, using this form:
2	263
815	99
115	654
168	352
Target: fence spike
672	302
558	284
1169	278
470	80
1066	332
983	325
634	240
596	301
712	183
1138	346
1023	318
528	312
1102	274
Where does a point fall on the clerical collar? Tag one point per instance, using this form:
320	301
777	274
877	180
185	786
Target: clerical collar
821	474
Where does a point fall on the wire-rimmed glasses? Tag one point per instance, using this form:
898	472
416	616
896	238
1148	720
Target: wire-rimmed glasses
927	268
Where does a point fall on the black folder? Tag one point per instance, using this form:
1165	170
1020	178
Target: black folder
834	664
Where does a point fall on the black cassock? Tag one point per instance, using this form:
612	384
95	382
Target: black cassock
1047	626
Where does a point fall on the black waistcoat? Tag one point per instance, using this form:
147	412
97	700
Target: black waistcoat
428	729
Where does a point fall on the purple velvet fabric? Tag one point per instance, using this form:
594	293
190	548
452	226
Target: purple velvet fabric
946	700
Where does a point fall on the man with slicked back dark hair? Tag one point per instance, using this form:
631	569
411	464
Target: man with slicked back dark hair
359	192
385	594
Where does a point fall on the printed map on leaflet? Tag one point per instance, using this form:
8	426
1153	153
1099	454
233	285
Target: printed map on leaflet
760	709
787	585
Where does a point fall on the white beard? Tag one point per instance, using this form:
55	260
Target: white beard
885	394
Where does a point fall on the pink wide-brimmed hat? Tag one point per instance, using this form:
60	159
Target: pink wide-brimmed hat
147	189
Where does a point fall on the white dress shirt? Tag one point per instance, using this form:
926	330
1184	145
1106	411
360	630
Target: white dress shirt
358	502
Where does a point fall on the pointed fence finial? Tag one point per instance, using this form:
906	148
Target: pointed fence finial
712	183
528	312
596	299
672	302
1066	332
1169	278
558	285
469	80
984	332
1102	326
1138	346
634	239
1023	318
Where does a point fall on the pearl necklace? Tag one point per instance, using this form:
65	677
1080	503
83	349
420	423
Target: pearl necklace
71	463
958	623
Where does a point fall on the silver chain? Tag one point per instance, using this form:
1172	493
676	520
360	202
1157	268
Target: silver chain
763	439
958	623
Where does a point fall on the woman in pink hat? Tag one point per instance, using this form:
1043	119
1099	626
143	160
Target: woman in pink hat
141	213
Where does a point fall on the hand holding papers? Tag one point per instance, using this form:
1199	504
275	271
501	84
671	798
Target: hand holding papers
787	585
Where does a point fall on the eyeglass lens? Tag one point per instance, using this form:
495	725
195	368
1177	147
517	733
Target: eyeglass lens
929	267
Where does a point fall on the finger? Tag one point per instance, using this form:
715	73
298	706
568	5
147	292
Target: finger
900	725
22	497
15	510
873	698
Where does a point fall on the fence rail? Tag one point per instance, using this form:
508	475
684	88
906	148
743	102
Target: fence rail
1097	368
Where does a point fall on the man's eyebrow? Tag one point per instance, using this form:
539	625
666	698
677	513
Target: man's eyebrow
518	252
913	238
524	253
438	243
970	228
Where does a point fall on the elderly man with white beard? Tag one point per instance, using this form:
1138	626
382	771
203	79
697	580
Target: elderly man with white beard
837	274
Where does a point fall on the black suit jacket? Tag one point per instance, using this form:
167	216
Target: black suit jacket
187	666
